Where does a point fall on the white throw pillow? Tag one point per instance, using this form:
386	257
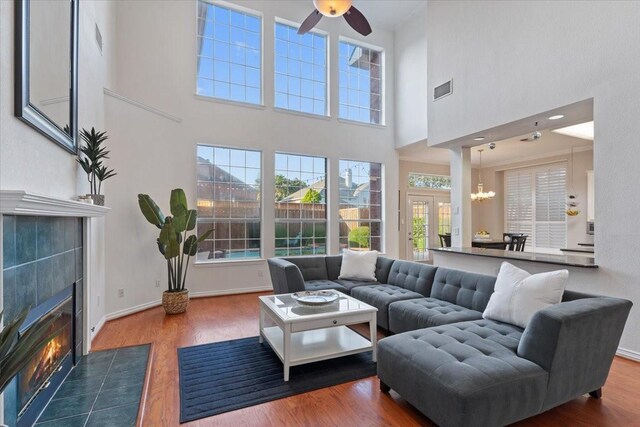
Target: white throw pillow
518	294
358	265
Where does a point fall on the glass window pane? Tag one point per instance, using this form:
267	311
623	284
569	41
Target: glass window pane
360	83
233	39
301	63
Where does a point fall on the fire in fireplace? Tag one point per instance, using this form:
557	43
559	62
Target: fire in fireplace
36	374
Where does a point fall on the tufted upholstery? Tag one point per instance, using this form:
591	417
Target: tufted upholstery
311	267
320	285
465	289
380	296
412	276
426	312
350	284
465	374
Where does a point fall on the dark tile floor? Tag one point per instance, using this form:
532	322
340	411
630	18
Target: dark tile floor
104	389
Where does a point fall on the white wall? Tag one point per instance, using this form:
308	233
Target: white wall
411	82
512	60
156	52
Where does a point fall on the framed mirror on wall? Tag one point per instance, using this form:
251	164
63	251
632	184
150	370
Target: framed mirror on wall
46	69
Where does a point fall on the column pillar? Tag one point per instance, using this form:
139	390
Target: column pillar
460	197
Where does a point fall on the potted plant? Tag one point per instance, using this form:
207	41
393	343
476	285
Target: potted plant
16	350
174	244
91	161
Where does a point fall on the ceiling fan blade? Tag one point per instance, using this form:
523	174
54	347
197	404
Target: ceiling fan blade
358	22
311	21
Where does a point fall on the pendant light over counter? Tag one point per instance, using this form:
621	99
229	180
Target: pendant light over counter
481	196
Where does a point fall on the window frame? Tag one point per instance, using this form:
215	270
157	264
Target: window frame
327	91
413	187
301	220
212	220
247	11
381	221
383	79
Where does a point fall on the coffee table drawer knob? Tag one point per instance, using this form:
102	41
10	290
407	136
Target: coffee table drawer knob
335	322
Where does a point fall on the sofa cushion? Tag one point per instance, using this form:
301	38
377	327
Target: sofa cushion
358	265
350	284
334	262
464	374
426	312
311	267
383	266
321	285
469	290
380	296
412	276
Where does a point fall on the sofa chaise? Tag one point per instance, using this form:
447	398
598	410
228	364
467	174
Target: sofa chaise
458	368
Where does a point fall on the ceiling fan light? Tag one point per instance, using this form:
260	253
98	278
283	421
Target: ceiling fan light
332	8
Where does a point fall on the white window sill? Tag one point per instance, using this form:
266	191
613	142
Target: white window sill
229	102
301	114
227	262
355	122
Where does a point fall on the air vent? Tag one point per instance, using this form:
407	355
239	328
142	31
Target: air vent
99	38
443	90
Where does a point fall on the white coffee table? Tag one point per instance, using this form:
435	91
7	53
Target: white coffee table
302	334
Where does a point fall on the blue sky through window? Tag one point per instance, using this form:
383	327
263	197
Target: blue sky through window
300	70
360	83
229	54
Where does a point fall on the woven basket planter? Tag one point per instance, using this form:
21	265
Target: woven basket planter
175	302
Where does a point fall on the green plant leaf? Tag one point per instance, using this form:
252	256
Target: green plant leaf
162	248
192	217
169	238
178	202
150	210
180	223
205	235
190	246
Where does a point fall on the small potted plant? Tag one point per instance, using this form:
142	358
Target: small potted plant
175	245
93	152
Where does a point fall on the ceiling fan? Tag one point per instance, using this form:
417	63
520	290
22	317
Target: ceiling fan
333	9
534	135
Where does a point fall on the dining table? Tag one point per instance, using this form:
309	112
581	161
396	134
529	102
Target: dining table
489	244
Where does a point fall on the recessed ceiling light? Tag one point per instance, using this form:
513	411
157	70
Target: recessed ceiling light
557	117
479	138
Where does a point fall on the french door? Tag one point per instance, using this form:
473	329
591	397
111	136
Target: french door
427	216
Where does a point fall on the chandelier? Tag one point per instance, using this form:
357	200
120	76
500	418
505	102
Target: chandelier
481	196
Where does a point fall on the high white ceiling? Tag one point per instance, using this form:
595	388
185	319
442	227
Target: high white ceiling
511	150
387	14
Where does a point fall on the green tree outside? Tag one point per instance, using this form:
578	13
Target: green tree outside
312	196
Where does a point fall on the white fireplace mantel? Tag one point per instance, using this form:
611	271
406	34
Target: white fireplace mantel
14	202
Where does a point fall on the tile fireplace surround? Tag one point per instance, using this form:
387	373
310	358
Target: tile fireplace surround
47	245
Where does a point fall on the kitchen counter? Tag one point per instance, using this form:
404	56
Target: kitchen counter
580	261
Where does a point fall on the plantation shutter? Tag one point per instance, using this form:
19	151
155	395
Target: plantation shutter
550	217
535	205
519	203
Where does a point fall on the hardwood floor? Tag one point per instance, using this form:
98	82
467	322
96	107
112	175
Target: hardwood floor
359	403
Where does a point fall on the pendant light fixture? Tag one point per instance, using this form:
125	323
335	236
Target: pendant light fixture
481	196
572	198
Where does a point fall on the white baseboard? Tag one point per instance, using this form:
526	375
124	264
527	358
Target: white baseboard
95	331
628	354
201	294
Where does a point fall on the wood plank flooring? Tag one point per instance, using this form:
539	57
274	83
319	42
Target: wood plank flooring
359	403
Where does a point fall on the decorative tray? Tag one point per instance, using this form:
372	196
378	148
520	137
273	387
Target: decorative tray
315	298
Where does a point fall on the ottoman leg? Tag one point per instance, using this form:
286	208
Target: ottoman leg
384	388
596	394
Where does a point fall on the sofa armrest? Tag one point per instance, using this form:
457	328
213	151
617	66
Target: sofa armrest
575	342
285	276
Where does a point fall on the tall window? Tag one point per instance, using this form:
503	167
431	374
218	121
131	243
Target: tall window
360	210
301	70
229	200
535	205
360	81
229	54
301	205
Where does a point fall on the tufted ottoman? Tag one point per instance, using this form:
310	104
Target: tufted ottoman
465	374
380	296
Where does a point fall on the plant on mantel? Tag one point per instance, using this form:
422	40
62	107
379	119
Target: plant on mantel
94	153
174	244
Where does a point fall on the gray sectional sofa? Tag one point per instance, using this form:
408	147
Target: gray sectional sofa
458	368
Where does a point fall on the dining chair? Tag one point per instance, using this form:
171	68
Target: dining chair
445	240
516	241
